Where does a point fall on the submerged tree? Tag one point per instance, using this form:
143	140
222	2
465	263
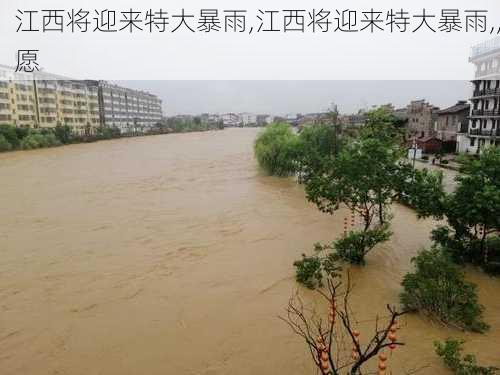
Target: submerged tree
438	288
451	353
472	212
276	150
335	345
317	145
364	177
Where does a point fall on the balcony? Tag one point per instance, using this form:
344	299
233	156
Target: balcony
463	129
485	113
487	92
485	132
491	73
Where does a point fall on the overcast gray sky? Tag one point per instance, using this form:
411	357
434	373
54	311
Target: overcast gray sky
283	97
185	55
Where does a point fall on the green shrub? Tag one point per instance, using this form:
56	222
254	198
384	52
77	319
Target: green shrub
355	245
10	134
438	288
4	144
275	150
310	270
464	249
63	133
445	162
450	351
51	140
39	140
317	144
30	142
22	132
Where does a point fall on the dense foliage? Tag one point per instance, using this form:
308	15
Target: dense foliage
472	212
4	144
188	124
437	287
355	245
451	353
15	138
317	145
310	270
39	140
275	149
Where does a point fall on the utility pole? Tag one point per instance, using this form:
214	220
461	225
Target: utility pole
334	114
414	151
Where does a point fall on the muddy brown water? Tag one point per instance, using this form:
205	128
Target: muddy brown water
173	255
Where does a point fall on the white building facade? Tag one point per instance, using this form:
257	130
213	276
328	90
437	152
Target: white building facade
484	122
131	111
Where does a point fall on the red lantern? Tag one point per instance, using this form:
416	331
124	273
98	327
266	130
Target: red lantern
325	365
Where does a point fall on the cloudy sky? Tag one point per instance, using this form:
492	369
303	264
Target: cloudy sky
283	97
185	55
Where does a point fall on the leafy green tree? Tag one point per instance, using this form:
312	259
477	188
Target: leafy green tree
276	150
317	145
472	212
451	353
438	288
4	144
310	270
22	132
473	209
362	177
422	190
383	125
63	133
355	245
10	134
367	175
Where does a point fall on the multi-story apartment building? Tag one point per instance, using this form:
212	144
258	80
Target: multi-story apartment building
62	101
422	118
17	98
452	120
129	110
231	119
484	120
42	100
247	119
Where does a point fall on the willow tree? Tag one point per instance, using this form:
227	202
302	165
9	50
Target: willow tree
276	149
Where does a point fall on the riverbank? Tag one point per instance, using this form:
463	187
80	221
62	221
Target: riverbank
173	255
21	139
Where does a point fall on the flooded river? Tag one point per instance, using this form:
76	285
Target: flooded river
173	255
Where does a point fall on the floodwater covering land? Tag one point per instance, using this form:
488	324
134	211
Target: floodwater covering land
173	255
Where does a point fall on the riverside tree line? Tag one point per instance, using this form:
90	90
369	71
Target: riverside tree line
367	172
17	138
